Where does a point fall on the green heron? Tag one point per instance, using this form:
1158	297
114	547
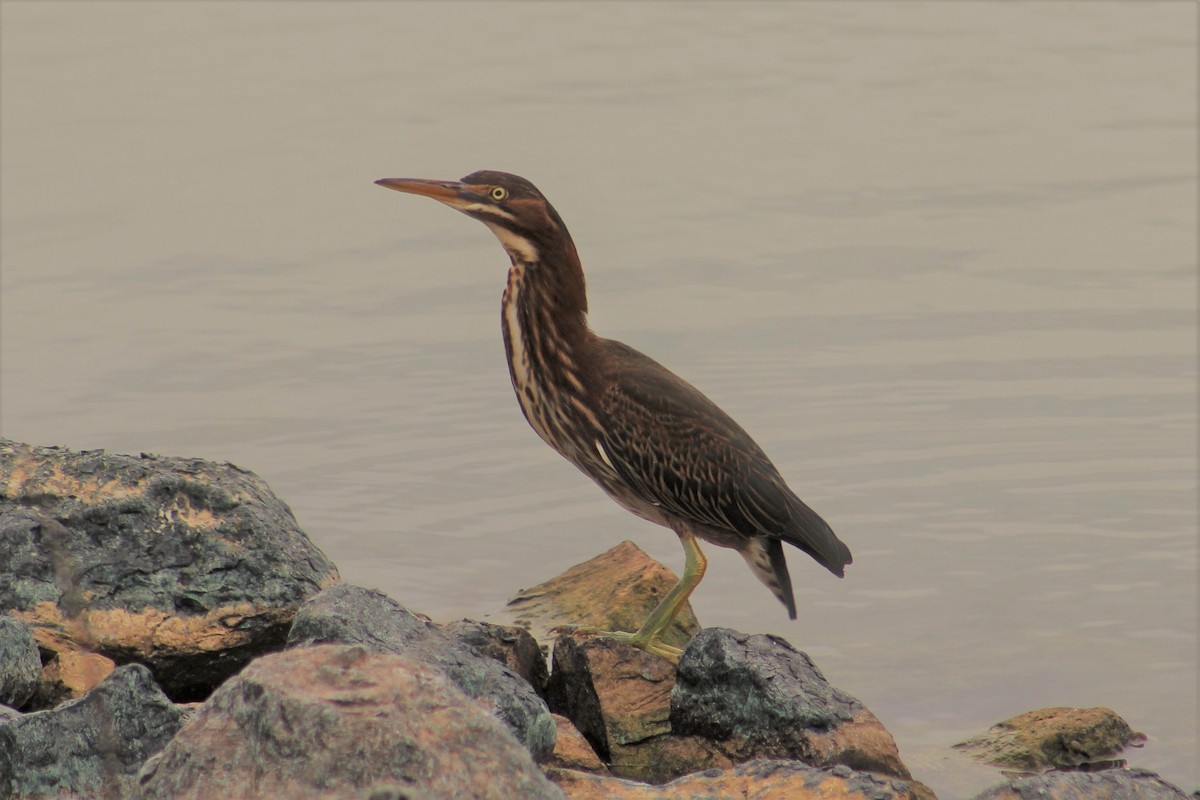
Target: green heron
650	439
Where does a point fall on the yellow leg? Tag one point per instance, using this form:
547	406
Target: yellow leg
649	636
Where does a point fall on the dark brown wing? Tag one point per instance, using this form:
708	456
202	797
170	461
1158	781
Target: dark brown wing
676	449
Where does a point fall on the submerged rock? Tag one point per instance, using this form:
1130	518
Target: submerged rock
759	697
20	664
1052	737
760	780
187	566
346	614
1109	784
90	747
343	721
615	591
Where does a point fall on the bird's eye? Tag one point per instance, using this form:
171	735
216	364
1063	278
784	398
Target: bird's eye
499	193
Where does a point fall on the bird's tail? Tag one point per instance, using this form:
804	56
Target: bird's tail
805	530
813	535
766	560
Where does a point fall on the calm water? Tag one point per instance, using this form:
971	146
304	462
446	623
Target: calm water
939	259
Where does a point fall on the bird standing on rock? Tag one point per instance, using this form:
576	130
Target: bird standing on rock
650	439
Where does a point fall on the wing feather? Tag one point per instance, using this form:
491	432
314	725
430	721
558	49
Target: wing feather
682	453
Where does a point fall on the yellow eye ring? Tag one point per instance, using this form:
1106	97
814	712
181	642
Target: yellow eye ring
498	193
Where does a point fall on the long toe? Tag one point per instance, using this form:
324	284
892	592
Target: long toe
650	644
663	650
653	645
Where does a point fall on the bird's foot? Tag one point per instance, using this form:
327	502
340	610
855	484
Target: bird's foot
642	640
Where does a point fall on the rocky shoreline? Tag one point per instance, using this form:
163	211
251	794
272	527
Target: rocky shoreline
168	631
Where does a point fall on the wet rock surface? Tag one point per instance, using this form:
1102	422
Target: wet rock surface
90	747
343	721
187	566
346	614
756	780
1110	784
615	591
20	664
759	697
1052	737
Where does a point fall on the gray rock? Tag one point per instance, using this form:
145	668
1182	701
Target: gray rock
1109	784
20	665
90	747
345	614
188	566
513	647
337	721
762	698
7	714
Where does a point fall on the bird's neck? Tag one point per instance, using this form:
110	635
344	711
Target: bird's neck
546	338
546	297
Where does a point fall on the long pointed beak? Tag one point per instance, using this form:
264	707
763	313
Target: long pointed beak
449	192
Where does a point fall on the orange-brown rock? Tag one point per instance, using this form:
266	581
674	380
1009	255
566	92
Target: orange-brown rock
572	751
187	566
615	694
70	673
1052	737
756	780
614	591
342	721
618	696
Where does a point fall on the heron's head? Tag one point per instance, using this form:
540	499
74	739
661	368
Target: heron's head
512	207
